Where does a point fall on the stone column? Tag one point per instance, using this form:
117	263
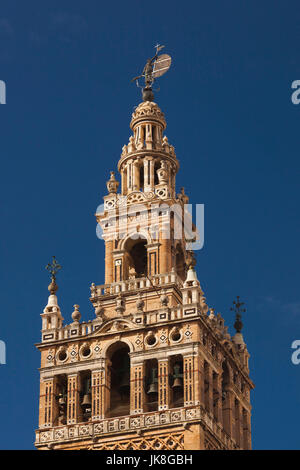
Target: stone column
149	137
109	246
198	379
137	392
210	391
48	403
237	422
201	381
136	176
165	252
129	176
218	397
123	180
100	392
152	175
163	384
188	380
246	430
228	415
73	404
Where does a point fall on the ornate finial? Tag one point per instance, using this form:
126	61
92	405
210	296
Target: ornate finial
154	68
76	314
190	259
238	325
112	184
182	196
53	269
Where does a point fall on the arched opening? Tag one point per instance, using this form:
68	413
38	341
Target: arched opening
216	394
61	397
156	167
136	258
176	381
180	263
86	395
151	385
119	370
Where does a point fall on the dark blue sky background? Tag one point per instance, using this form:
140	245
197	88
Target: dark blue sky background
67	66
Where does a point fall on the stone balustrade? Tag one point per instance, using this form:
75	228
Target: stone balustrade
145	421
157	280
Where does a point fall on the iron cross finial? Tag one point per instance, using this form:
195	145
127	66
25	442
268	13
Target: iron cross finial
53	268
238	325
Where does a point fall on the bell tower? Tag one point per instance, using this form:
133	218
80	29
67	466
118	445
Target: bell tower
156	369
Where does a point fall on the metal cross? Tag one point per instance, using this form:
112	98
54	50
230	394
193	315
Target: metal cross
237	306
238	325
53	267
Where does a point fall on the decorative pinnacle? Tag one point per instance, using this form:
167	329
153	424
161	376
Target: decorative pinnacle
238	325
190	259
53	269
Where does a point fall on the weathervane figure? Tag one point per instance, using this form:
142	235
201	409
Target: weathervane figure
155	67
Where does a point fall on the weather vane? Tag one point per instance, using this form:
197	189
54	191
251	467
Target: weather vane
154	68
238	325
53	269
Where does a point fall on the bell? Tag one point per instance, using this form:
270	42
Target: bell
152	388
86	402
177	383
124	386
62	399
177	377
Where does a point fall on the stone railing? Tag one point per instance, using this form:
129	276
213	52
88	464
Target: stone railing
145	421
158	280
149	318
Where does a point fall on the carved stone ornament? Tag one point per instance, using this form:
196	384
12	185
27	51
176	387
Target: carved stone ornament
112	184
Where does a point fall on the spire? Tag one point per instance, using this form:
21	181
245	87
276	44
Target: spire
238	325
53	269
51	316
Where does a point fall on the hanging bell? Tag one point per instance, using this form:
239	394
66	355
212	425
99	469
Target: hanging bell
152	388
177	378
124	386
177	383
86	402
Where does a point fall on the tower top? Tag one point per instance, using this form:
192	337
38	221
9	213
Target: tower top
155	67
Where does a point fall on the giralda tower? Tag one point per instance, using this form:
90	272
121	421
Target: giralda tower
156	369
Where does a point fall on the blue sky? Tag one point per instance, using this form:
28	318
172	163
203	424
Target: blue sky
227	99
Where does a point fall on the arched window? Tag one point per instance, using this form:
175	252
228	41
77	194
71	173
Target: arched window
136	258
141	178
118	354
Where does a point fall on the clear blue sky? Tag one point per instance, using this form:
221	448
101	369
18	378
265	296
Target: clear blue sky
67	66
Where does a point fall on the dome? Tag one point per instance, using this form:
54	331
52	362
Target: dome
148	111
